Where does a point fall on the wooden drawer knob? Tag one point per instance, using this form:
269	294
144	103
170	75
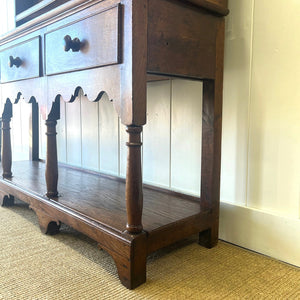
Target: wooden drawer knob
15	62
73	44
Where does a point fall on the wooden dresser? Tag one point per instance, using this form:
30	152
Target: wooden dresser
113	47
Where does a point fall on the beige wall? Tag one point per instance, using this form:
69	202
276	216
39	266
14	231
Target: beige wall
260	180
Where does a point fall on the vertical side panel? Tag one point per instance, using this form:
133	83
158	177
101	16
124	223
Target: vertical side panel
21	130
133	75
156	136
73	133
186	136
15	131
90	144
109	138
34	132
61	134
42	142
122	149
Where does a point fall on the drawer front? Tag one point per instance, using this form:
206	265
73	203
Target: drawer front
99	43
21	61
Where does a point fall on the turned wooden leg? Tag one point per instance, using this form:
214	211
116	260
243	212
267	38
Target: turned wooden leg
6	141
51	160
134	190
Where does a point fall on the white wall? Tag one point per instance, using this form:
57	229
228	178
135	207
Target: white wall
260	178
7	20
260	182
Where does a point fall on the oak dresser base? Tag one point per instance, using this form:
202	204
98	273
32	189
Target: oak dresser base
103	219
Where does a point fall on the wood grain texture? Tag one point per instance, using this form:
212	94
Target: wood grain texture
51	172
102	198
134	76
176	38
6	140
134	189
217	6
22	90
181	41
93	83
99	36
211	146
29	54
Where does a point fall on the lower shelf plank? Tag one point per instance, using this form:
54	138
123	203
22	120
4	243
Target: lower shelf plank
102	198
94	204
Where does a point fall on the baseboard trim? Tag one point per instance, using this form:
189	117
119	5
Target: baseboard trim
272	235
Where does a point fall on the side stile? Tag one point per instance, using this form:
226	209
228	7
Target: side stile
6	140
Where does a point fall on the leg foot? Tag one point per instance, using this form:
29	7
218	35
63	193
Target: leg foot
208	238
131	271
131	263
48	225
7	200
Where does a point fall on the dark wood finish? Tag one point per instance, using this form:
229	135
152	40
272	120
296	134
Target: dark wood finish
98	37
134	75
6	141
184	36
72	44
94	204
215	6
134	190
34	127
21	61
15	61
24	5
6	200
211	145
102	198
30	9
116	46
51	173
46	222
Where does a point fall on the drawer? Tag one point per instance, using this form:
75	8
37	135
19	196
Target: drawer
98	43
21	61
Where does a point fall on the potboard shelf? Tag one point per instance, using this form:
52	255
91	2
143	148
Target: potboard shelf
102	198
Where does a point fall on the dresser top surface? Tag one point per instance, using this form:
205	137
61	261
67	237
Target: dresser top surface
218	7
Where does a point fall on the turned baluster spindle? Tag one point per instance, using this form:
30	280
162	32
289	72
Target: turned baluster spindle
51	160
6	141
51	173
134	189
